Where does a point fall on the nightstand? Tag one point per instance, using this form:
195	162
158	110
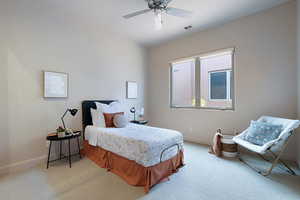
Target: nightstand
141	122
53	137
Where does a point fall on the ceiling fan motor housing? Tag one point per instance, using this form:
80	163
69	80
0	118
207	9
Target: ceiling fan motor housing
157	4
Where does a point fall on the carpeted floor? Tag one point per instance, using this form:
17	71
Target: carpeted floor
205	177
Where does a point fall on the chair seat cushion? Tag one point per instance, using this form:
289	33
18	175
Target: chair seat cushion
260	133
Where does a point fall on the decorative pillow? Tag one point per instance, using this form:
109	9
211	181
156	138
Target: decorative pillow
260	133
114	107
97	118
120	121
109	119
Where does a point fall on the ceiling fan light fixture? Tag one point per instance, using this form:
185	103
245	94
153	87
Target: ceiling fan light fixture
160	7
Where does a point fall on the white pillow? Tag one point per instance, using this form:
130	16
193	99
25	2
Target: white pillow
98	118
120	121
114	107
99	106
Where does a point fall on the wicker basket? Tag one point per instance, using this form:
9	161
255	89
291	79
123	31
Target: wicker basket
228	146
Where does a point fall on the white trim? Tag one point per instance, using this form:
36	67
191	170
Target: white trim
198	82
22	165
230	50
228	86
217	53
183	61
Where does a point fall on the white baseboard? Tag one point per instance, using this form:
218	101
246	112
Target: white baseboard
196	141
26	164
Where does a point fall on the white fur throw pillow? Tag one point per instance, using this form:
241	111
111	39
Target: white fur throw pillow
120	121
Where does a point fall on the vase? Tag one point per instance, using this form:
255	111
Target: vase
61	134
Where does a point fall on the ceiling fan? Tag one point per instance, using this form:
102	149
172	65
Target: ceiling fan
160	7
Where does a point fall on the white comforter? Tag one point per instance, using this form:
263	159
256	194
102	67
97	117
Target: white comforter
143	144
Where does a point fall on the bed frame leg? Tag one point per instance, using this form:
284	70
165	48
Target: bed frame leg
146	189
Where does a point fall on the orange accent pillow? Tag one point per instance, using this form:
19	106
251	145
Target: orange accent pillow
109	119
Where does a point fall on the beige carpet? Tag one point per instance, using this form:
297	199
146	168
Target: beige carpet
204	177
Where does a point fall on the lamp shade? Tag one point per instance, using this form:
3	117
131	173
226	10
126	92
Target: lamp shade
132	110
73	111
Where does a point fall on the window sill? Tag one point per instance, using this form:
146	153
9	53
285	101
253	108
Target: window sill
202	108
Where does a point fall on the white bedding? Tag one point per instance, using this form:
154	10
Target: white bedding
143	144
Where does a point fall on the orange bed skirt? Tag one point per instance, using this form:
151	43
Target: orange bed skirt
132	172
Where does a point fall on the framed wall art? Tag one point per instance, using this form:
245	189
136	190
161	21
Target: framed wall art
56	84
131	89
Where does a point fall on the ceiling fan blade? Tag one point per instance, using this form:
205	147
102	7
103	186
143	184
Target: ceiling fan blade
136	13
168	1
178	12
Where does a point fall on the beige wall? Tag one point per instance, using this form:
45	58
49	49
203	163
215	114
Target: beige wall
98	63
298	56
265	74
4	129
4	141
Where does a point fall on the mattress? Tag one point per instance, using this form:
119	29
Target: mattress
143	144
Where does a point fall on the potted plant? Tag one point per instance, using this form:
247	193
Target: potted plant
60	132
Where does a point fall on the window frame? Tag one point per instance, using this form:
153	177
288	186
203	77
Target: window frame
197	59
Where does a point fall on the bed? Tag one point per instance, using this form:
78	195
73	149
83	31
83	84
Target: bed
141	155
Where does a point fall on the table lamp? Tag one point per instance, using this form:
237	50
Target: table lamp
72	112
132	110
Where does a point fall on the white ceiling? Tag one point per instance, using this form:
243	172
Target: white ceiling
108	14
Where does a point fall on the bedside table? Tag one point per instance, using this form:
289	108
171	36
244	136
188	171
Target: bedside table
141	122
53	137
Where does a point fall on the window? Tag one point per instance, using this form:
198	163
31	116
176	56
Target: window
183	83
220	85
204	81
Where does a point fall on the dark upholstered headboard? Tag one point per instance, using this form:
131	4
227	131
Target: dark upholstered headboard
86	112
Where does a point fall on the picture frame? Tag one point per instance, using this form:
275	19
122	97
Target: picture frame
131	90
56	84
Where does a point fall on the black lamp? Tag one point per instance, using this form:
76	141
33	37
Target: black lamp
72	112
